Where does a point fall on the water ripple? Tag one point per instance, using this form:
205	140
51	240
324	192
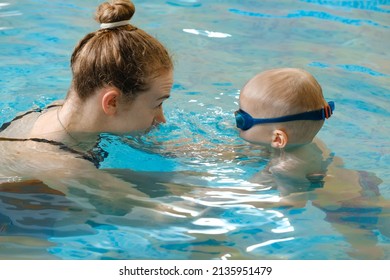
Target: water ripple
185	3
313	14
361	69
350	68
361	5
4	14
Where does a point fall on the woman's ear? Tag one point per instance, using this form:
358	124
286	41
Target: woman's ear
110	101
279	139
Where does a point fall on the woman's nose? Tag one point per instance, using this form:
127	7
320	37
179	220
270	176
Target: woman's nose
160	118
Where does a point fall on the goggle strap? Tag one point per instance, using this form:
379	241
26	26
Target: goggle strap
320	114
327	111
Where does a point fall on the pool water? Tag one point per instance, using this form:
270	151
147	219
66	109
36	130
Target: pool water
215	211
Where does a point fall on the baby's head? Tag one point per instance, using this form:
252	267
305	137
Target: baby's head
279	93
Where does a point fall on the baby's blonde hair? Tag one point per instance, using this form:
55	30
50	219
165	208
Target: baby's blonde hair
287	91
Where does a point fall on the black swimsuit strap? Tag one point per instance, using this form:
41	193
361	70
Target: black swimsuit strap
90	157
95	157
7	124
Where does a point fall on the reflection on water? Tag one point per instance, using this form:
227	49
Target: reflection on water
197	221
211	34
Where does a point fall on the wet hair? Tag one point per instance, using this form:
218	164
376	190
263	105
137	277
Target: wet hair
287	91
124	57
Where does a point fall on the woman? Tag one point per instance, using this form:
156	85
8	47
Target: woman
121	77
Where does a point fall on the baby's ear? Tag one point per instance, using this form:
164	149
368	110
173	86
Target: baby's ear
279	139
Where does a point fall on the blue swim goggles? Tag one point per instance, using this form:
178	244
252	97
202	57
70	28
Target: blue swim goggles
245	121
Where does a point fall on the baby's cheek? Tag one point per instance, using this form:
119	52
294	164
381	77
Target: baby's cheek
246	136
255	136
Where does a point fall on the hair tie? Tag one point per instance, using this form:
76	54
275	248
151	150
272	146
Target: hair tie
114	24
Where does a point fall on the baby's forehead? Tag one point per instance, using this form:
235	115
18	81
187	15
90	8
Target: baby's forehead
251	100
253	89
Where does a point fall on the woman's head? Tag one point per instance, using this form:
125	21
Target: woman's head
124	57
282	92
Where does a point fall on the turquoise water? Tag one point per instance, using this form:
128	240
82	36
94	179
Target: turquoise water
217	46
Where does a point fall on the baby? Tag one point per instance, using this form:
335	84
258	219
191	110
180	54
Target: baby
283	110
